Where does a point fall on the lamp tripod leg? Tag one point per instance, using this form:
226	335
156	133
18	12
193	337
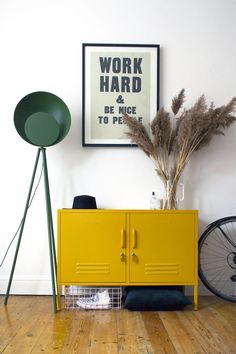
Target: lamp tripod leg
52	233
52	251
53	245
22	228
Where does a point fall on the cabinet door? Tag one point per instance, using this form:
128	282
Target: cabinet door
162	247
91	246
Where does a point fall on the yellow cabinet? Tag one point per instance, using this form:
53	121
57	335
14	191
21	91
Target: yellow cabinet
162	247
90	247
128	247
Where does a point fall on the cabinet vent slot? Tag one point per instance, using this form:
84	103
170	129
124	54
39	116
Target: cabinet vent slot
162	268
92	268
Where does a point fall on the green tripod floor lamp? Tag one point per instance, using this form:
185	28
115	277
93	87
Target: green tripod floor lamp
42	119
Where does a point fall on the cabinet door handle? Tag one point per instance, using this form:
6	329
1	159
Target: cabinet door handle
134	239
122	256
123	238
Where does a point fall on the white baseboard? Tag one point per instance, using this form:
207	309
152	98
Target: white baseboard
27	286
202	290
43	286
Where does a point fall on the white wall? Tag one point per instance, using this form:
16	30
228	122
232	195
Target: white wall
40	46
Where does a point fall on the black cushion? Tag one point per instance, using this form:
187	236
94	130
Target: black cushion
161	298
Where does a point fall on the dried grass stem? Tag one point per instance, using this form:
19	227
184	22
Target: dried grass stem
175	138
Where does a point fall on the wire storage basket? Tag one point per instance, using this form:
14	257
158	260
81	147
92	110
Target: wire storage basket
92	298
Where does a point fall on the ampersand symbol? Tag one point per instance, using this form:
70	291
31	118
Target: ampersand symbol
120	99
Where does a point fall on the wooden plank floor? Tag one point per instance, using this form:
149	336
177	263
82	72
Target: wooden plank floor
28	325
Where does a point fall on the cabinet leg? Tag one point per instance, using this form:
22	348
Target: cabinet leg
195	297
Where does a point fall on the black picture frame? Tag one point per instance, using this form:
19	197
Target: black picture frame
117	78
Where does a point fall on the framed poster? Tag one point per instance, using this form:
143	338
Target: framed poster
118	79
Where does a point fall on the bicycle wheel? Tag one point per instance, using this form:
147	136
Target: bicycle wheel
217	258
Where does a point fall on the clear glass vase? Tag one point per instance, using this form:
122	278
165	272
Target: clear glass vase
174	193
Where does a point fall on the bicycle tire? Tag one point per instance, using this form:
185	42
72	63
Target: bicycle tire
217	258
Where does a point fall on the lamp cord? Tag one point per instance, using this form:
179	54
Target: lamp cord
30	202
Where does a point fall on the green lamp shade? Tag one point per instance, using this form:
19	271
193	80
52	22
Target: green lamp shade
42	119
